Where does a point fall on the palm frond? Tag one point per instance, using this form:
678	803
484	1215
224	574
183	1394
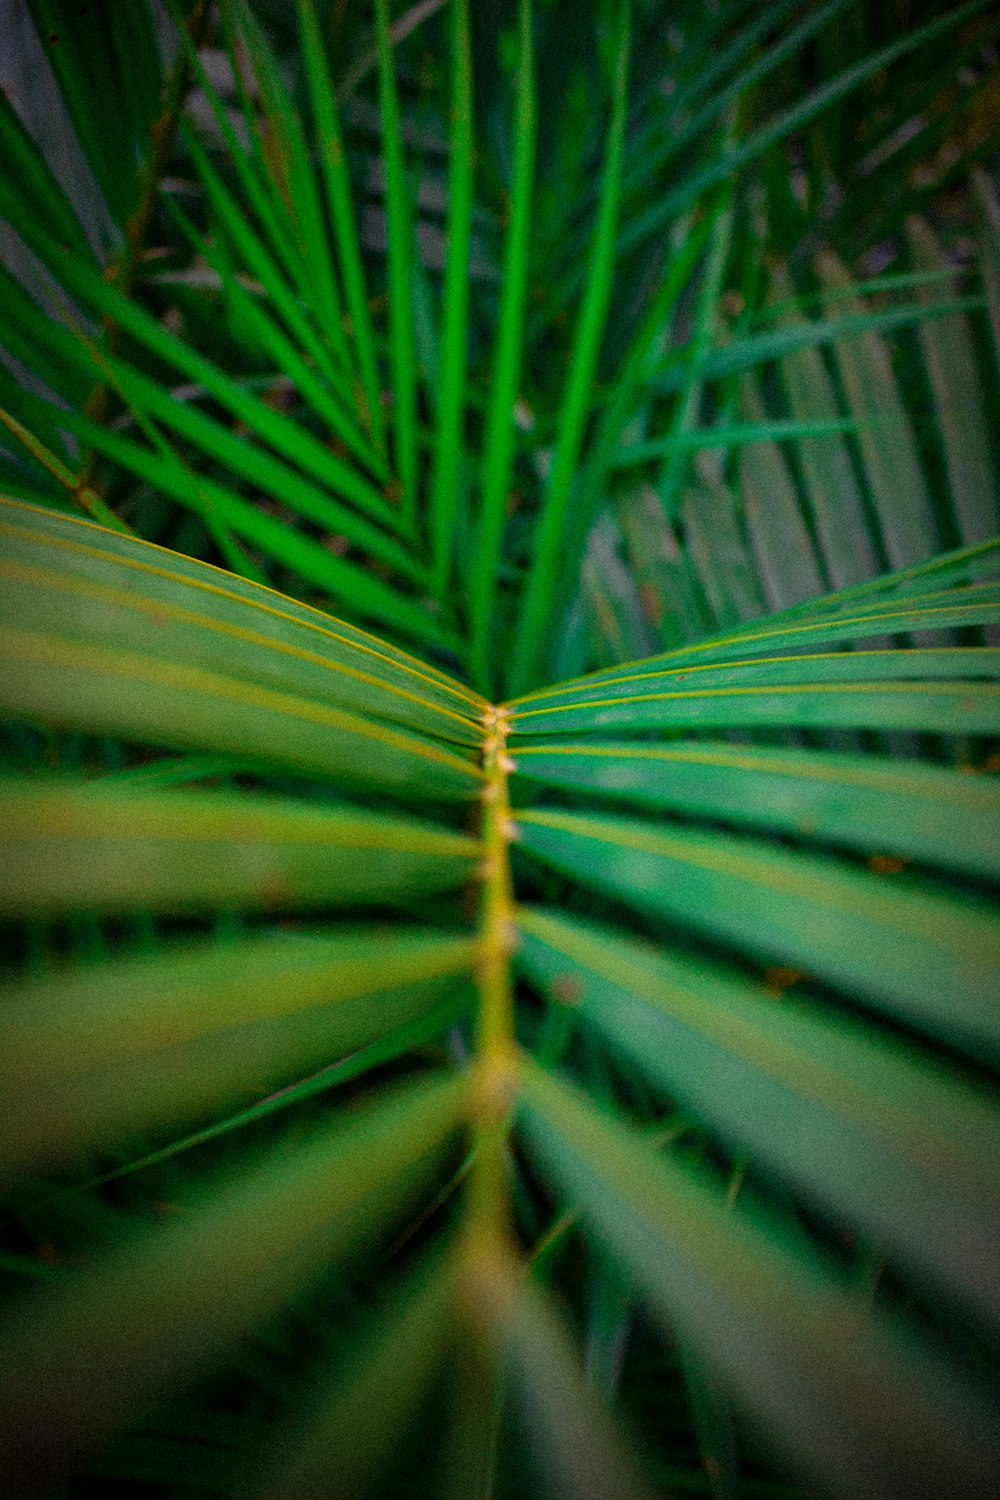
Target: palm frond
407	1092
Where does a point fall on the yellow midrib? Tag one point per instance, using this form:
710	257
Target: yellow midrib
487	1222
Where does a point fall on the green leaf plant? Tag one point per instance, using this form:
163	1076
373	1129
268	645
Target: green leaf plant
422	1075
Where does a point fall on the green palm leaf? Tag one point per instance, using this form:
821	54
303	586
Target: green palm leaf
118	849
803	1356
589	1094
343	1191
846	1116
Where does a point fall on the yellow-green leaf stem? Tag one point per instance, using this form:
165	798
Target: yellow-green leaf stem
487	1208
487	1251
84	495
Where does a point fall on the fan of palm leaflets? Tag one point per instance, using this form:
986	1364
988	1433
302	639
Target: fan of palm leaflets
395	1079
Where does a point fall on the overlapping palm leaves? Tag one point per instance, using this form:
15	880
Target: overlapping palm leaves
281	976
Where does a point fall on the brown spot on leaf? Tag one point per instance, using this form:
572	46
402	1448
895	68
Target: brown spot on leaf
650	601
275	890
566	989
780	977
886	864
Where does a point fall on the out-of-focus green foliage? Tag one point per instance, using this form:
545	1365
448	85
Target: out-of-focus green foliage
499	707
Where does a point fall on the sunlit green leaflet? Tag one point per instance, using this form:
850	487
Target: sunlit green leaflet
71	594
275	254
320	506
875	689
941	593
499	439
286	436
290	178
797	694
311	560
536	608
260	323
338	195
400	253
